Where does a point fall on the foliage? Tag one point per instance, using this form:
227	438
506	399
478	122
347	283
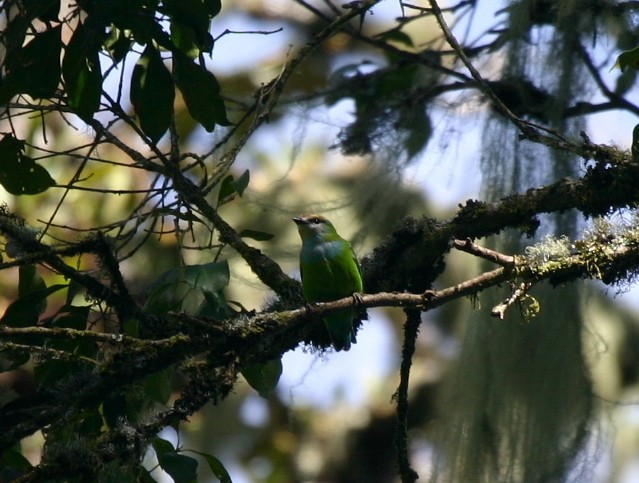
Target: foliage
122	90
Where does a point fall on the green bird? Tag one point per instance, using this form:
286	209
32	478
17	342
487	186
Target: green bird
330	272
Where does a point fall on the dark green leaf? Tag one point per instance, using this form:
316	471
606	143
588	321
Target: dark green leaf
201	92
19	174
117	44
45	10
144	476
35	68
396	81
183	37
190	25
23	176
51	372
213	7
170	290
114	409
215	306
242	182
162	446
25	311
166	293
10	147
419	130
132	327
29	281
15	460
91	424
158	386
396	35
81	69
625	82
209	277
256	235
216	467
629	58
152	93
635	144
227	189
13	465
74	289
75	318
183	469
263	377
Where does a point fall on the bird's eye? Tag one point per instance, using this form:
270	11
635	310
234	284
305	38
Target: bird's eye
316	221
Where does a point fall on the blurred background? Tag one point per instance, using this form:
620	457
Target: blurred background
360	138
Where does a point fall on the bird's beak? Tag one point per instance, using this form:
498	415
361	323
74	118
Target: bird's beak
299	221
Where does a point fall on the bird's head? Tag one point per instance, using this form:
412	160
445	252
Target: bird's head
315	228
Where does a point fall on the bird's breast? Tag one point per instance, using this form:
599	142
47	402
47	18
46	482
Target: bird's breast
322	252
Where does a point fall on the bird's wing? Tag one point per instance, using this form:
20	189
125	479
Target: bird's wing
359	269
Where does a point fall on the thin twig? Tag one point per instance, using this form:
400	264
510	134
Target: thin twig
411	329
486	253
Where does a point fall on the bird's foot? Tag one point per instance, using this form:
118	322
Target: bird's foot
358	298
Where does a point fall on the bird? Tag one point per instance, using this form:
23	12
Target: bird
330	271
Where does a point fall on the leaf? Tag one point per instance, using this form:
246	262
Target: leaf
114	409
75	318
35	68
419	130
152	93
256	235
216	467
209	277
48	373
29	281
117	44
263	377
201	92
132	327
190	24
242	182
25	311
183	37
45	10
23	176
82	71
629	58
396	35
91	424
14	459
229	187
215	306
13	464
166	294
183	469
158	385
625	82
170	290
19	174
162	446
74	289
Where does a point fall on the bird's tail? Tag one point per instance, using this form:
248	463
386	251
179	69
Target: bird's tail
340	327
